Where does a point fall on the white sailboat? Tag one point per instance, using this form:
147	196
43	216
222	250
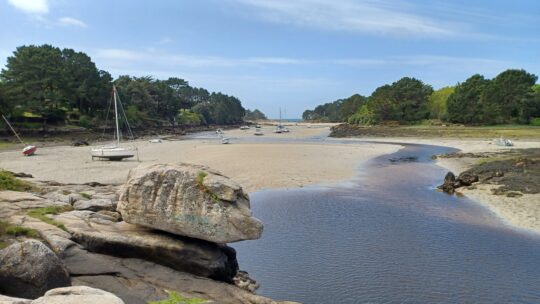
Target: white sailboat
115	151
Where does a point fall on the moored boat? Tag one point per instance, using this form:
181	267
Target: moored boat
28	150
115	151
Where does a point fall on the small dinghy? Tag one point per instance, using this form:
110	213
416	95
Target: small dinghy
503	142
258	132
28	150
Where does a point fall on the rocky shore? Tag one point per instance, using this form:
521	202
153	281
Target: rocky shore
507	182
165	230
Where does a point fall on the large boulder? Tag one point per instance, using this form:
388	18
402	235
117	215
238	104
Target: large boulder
188	200
29	269
78	295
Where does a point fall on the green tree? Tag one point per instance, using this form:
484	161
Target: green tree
188	118
364	116
34	79
465	105
350	105
51	82
255	115
406	100
438	103
503	98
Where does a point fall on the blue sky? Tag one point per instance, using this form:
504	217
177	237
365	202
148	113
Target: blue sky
285	53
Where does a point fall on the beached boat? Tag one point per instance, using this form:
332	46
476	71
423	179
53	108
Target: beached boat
258	132
28	149
115	151
244	128
503	142
225	140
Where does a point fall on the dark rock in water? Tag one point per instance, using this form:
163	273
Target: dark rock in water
243	281
467	179
449	184
449	178
29	269
77	143
405	159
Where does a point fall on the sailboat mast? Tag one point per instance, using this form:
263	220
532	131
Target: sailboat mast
116	116
13	130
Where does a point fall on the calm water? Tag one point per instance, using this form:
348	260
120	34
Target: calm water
388	237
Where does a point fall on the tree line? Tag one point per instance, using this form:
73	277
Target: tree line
47	85
512	97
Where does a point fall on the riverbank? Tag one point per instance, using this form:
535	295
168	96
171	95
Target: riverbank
253	163
522	211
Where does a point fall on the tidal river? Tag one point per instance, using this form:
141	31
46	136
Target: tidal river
388	237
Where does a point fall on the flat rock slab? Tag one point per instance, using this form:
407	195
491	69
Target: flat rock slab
136	281
126	240
188	200
16	196
95	204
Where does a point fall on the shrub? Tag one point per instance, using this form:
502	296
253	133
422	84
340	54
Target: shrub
188	118
535	121
85	122
364	116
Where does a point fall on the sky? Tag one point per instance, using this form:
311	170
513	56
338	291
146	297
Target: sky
285	54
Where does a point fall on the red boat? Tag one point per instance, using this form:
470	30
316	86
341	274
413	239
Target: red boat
29	150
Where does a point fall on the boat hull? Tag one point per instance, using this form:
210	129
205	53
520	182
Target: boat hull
113	152
29	150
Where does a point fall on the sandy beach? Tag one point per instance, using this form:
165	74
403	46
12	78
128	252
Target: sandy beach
255	165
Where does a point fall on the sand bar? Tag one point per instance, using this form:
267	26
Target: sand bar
255	166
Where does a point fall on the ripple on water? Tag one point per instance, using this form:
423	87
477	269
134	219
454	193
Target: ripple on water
390	238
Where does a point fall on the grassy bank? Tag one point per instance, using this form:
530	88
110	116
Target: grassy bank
481	132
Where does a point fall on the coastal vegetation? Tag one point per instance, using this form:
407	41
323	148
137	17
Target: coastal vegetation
512	97
438	131
41	214
45	85
175	298
10	182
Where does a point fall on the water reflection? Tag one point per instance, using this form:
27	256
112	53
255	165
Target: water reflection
388	237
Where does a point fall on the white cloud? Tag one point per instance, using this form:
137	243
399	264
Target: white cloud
156	57
367	16
31	6
68	21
